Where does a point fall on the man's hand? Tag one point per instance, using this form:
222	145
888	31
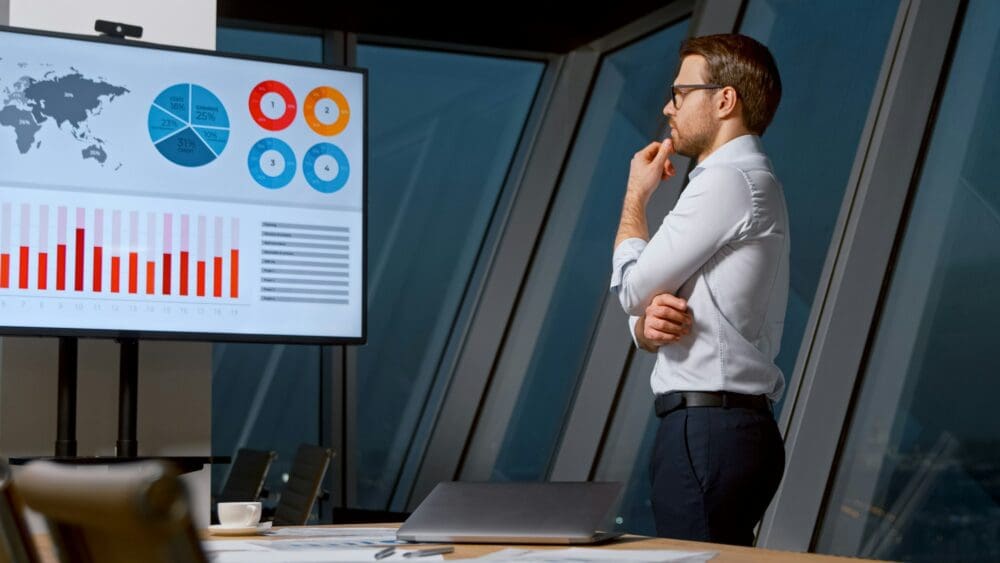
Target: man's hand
666	320
649	167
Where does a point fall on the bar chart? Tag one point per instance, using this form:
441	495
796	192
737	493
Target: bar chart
118	252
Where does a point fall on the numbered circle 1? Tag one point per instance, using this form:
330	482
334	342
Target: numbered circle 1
326	168
326	111
272	105
271	163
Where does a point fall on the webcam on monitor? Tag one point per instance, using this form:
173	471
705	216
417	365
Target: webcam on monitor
118	29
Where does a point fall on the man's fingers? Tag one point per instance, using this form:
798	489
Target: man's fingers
664	312
666	326
671	301
656	337
649	153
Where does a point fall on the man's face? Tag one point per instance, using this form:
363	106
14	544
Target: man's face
693	127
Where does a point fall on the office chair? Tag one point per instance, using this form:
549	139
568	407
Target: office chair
16	545
246	476
305	481
123	513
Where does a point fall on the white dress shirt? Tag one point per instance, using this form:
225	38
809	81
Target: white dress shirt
724	248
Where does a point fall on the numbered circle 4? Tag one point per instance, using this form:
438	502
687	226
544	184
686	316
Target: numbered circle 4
326	111
271	163
326	168
272	105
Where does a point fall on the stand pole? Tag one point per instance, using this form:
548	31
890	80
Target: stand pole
128	376
66	404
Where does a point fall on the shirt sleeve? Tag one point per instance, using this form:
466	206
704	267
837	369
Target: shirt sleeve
713	210
632	320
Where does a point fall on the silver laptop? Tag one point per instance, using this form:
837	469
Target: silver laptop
555	513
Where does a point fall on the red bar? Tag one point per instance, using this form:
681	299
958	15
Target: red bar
98	258
5	270
184	272
116	265
60	267
79	260
133	272
43	270
201	278
234	273
166	273
150	277
22	279
218	277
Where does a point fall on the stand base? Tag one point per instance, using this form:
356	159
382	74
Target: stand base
184	464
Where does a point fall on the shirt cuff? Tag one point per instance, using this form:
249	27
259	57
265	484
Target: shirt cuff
626	254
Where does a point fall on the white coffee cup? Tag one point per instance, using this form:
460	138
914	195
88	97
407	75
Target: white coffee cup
239	514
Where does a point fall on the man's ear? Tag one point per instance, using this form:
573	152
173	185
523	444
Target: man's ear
727	102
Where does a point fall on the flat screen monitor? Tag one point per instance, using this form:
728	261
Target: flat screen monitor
156	192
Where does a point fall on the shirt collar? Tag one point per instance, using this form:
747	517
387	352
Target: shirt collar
735	149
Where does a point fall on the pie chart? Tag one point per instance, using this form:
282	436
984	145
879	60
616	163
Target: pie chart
188	125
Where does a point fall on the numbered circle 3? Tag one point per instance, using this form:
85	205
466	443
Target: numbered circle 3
272	105
326	111
326	168
271	163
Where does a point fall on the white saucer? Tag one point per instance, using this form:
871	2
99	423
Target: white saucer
220	530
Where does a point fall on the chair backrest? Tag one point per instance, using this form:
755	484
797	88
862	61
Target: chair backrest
128	512
16	545
246	475
305	481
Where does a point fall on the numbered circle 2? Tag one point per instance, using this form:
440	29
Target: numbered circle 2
326	168
326	111
271	163
272	105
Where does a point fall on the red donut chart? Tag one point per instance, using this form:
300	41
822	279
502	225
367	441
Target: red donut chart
257	95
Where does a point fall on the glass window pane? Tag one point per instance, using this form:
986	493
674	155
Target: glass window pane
295	47
827	85
265	396
919	475
443	131
569	275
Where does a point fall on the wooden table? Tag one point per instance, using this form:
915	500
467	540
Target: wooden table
726	553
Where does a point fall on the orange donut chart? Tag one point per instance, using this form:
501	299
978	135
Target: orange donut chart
309	111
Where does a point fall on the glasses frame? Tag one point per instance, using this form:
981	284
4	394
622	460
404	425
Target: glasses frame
689	88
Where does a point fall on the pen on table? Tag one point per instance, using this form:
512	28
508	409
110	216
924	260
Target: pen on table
385	552
431	551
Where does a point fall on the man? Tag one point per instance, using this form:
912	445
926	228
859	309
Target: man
708	292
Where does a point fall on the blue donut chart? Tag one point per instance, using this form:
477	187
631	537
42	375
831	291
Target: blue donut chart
257	172
309	168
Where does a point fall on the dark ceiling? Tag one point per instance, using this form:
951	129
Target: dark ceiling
538	26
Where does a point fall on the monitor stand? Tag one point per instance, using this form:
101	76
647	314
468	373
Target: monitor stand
127	446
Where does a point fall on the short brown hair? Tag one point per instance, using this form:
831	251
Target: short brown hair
746	65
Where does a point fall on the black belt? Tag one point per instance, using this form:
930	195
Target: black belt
669	402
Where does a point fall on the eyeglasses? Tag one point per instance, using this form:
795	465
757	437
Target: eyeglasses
678	91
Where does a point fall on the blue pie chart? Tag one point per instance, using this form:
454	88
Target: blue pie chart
188	125
326	168
271	163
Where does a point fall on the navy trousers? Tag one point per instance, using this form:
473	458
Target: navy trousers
714	470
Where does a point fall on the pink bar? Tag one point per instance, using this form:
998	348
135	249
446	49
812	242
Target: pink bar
5	236
116	231
168	232
98	227
150	252
81	217
43	228
235	236
25	223
218	236
61	225
133	231
184	232
202	227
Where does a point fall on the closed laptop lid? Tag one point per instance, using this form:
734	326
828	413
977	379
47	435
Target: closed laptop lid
577	512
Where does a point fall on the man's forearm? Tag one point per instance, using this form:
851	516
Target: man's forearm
633	221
